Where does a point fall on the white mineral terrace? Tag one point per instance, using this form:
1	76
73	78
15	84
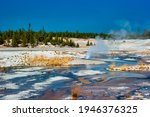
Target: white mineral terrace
130	68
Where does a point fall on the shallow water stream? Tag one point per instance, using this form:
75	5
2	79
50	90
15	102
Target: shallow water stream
44	83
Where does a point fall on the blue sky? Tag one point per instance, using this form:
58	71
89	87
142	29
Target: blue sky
73	15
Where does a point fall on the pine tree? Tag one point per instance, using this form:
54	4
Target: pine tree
46	40
77	45
14	41
32	40
61	39
56	40
88	43
6	38
72	44
91	43
24	40
1	40
63	43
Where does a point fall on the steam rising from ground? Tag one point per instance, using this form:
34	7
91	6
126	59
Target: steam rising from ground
103	47
120	34
100	47
124	29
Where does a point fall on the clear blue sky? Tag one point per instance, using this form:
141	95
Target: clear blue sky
73	15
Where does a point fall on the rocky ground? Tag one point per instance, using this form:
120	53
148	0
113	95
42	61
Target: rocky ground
71	56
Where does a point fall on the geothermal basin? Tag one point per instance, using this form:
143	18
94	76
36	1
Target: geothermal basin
80	81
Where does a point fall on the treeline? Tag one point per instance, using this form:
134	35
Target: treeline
25	38
146	34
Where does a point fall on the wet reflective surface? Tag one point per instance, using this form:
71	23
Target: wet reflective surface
95	83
